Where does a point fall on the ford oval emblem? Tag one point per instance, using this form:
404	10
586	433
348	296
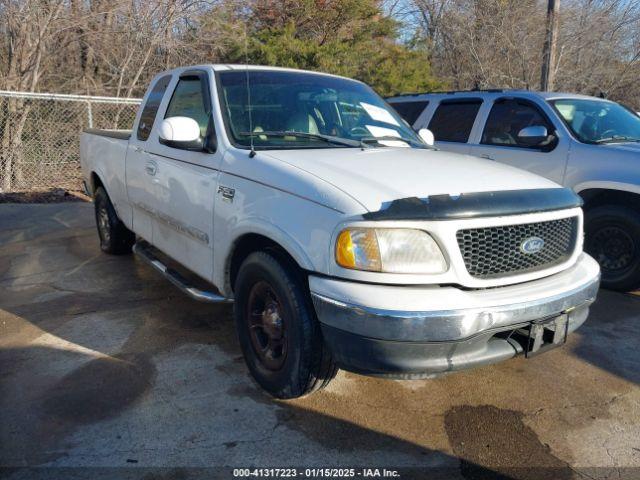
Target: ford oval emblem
532	245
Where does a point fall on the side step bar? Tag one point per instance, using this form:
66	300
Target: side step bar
143	251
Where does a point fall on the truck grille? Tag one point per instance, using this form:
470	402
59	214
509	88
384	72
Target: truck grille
498	251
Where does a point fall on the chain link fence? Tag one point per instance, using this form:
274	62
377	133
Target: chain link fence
39	136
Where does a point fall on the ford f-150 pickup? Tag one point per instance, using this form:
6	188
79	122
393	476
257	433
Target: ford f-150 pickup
344	239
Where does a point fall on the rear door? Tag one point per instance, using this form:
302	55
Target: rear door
186	180
139	164
411	110
499	139
452	123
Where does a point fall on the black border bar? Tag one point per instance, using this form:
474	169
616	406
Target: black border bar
478	204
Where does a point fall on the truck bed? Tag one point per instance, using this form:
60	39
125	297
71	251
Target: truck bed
119	134
104	153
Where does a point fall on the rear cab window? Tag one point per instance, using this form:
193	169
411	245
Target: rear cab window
410	111
150	109
454	119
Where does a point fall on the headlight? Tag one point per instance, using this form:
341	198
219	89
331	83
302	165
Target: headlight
390	250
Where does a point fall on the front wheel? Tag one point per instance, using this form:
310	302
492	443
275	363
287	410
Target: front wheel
278	332
612	237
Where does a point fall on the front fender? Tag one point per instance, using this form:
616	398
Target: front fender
260	226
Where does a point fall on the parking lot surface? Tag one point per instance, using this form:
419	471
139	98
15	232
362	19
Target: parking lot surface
107	368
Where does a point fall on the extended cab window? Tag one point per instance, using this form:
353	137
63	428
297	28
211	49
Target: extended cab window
148	115
453	120
507	118
188	100
410	111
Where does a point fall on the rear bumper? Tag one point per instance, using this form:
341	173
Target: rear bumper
406	331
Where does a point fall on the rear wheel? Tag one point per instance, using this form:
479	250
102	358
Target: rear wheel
612	237
115	238
279	334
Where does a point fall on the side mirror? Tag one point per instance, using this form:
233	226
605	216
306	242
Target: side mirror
533	136
427	136
181	132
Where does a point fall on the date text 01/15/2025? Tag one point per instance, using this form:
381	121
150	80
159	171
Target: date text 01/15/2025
316	472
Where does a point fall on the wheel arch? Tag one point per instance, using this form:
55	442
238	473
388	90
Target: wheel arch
250	242
95	181
595	196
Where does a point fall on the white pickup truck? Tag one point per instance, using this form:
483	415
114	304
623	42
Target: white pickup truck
343	238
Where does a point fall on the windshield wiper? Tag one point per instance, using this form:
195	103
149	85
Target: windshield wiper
388	138
316	136
617	138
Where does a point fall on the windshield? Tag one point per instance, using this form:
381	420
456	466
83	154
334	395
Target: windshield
326	111
597	121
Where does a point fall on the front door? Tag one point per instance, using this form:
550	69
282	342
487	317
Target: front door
500	142
186	180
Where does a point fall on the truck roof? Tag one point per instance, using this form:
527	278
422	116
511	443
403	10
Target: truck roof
489	93
221	67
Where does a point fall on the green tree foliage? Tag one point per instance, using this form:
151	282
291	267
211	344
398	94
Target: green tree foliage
353	38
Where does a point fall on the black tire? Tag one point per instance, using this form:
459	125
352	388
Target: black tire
298	362
612	237
115	238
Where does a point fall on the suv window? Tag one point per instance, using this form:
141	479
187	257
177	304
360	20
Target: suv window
188	100
410	111
507	118
453	120
148	115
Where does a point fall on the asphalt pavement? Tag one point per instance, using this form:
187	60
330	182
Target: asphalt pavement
108	371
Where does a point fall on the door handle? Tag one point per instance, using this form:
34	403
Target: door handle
488	157
151	168
137	149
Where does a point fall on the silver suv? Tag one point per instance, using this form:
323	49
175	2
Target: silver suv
589	144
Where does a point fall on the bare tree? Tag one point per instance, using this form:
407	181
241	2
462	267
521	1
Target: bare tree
29	28
497	43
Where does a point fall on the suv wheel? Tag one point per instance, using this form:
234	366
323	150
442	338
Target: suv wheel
115	238
612	237
277	328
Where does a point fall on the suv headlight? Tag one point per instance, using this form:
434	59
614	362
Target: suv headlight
390	250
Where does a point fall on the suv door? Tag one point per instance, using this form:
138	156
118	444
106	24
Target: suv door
140	186
186	180
499	140
452	123
410	111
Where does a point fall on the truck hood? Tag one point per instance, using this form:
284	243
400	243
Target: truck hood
376	176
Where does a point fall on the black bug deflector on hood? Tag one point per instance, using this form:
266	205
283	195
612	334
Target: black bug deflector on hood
478	204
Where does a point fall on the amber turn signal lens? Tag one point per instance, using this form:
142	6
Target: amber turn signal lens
358	248
344	250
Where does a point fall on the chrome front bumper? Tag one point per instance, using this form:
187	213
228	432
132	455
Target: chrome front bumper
375	340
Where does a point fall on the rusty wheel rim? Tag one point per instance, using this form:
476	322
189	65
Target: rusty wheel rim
266	326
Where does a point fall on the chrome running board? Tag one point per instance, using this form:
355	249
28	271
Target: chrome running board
143	251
